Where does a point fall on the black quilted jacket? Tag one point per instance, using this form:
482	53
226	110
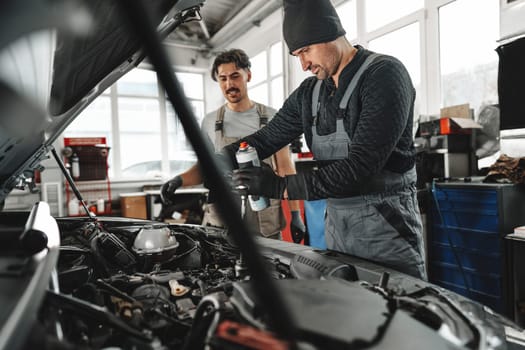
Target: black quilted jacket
378	120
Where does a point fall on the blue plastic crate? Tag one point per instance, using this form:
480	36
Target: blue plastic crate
474	217
488	242
468	209
473	259
485	197
485	283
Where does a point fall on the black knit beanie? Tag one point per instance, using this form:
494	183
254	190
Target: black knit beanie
308	22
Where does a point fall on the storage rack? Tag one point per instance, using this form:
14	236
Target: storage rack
93	180
466	249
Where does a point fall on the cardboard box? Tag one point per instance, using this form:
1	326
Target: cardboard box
459	111
133	205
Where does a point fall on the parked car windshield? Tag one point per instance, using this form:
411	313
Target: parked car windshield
153	169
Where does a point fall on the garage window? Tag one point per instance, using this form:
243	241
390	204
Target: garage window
467	52
267	84
146	140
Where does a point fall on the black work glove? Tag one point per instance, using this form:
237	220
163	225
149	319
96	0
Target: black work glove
297	228
260	181
225	172
167	191
228	154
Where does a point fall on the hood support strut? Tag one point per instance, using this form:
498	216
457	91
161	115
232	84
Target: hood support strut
71	182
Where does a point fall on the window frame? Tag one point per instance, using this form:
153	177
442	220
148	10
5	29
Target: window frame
116	152
268	80
504	4
428	18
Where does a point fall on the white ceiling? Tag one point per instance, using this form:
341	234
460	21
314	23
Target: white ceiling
222	22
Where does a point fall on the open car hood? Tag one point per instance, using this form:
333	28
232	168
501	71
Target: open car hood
55	58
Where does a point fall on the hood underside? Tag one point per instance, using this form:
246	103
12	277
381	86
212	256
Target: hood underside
56	60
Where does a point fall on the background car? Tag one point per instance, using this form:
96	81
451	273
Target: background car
152	169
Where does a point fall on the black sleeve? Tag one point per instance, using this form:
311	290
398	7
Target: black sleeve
284	127
386	96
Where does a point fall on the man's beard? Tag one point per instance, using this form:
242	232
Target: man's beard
235	97
321	72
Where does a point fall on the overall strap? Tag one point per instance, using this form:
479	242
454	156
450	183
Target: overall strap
355	79
219	126
315	98
219	120
261	111
350	88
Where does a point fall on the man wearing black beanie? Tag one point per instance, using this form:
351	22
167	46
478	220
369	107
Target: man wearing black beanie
356	115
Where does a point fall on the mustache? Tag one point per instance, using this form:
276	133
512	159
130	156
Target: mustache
232	90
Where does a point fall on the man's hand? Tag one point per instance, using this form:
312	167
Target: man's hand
228	152
297	228
167	191
225	172
260	181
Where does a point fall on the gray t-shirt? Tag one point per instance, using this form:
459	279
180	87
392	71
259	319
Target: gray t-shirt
236	124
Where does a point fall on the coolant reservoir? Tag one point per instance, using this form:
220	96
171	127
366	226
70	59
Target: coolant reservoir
154	240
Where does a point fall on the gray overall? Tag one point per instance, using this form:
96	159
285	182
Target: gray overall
268	222
381	222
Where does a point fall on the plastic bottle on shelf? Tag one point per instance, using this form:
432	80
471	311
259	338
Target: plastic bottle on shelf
75	166
73	207
100	206
246	158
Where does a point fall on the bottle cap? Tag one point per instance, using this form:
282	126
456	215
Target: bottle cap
243	144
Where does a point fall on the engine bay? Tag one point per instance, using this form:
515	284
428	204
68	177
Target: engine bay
135	284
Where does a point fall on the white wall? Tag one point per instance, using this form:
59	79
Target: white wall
185	57
512	18
263	36
260	37
214	98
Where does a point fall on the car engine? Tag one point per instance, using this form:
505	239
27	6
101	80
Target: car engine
136	284
140	281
